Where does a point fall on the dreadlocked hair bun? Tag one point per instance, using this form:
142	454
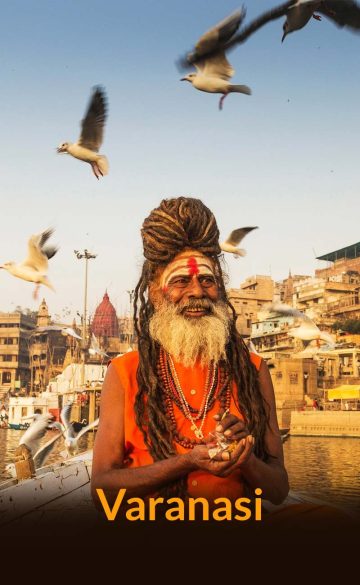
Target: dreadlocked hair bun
176	224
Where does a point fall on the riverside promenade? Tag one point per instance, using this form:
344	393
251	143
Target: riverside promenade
320	423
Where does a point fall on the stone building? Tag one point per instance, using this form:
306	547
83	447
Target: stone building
15	331
295	385
47	351
319	297
247	301
344	267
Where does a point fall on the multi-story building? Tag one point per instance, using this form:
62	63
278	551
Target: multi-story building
248	300
343	267
47	350
15	330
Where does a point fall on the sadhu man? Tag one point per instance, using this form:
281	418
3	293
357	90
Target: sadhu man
192	377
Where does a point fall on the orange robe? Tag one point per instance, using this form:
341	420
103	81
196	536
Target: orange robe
200	483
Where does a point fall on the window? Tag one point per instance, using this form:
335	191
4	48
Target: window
7	358
6	377
293	377
24	411
278	375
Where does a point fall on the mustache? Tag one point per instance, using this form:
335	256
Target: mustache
205	304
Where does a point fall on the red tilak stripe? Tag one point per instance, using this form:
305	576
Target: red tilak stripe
193	266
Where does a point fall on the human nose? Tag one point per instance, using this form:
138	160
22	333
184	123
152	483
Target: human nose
195	288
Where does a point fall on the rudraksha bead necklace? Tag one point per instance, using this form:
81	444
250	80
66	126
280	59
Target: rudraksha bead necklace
216	380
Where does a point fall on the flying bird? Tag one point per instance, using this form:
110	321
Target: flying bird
71	438
35	267
234	239
44	451
95	347
64	330
344	13
307	330
214	70
92	129
36	431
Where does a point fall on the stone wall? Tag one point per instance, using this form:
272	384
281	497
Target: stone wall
326	424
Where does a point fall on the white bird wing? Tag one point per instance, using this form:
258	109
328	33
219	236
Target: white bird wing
33	435
237	235
38	255
284	309
92	126
219	34
42	454
71	332
87	428
325	336
65	418
216	66
305	331
94	343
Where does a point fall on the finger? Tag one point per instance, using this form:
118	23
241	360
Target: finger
237	428
227	422
229	453
248	445
244	455
247	450
221	414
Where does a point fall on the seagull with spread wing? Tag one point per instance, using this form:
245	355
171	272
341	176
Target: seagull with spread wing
64	330
232	242
92	129
35	267
36	431
214	71
95	348
307	330
71	438
344	13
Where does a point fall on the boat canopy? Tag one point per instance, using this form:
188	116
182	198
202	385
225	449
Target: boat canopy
346	391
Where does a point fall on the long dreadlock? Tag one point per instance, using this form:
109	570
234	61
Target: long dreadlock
175	225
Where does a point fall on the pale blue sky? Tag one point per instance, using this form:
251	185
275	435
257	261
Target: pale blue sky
285	159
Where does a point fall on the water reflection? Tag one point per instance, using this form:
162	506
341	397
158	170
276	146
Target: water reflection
326	468
323	467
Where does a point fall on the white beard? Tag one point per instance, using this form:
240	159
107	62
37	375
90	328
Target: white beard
190	339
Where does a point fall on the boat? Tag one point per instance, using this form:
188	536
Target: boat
18	426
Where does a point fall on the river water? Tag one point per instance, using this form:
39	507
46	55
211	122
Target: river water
322	467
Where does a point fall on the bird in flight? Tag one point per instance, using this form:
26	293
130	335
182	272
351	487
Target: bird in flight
344	13
306	330
214	70
35	267
95	348
70	436
63	330
232	242
92	130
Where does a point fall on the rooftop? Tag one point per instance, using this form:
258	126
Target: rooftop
349	252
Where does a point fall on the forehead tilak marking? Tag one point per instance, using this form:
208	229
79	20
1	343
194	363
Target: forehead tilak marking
188	266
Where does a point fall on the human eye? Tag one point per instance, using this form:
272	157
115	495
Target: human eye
207	280
179	281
